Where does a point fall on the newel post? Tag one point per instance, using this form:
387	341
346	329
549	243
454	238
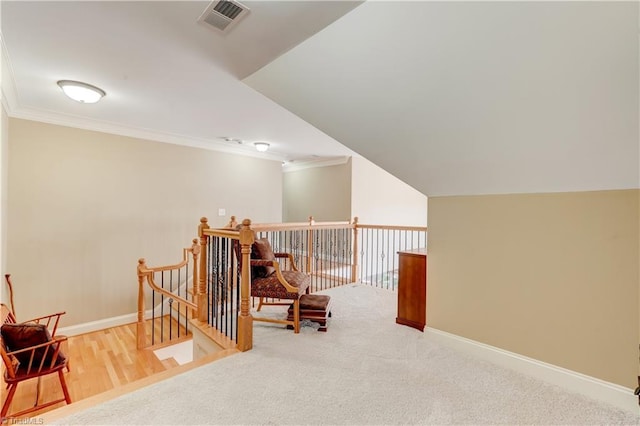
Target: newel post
201	290
354	264
141	333
195	253
232	223
245	320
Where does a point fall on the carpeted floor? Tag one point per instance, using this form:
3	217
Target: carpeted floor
364	370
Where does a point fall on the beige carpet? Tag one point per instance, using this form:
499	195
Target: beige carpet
364	370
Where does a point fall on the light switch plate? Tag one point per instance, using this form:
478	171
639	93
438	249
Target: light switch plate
222	212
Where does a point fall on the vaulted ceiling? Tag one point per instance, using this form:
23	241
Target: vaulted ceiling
475	97
451	97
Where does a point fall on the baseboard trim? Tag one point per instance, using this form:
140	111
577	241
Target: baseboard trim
88	327
588	386
91	326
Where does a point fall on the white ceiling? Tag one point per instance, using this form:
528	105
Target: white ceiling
167	77
451	97
475	97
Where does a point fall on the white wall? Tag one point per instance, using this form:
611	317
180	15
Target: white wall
4	193
379	198
356	188
321	192
4	153
84	206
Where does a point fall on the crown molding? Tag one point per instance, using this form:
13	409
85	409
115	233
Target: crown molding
294	166
68	120
11	103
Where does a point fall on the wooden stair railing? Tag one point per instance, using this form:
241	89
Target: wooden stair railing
147	274
202	304
243	236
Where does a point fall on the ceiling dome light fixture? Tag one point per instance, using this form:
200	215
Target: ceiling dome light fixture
81	92
262	146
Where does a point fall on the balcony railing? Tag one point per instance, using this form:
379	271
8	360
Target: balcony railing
332	253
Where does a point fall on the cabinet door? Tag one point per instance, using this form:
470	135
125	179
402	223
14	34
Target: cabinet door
412	280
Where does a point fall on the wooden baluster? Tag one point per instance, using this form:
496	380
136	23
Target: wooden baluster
201	291
245	320
140	328
354	264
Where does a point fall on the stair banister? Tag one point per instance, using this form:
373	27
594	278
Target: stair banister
201	290
245	320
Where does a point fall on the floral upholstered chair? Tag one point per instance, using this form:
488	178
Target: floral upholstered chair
273	285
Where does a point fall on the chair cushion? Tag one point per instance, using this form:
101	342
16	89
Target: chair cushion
271	287
261	249
24	335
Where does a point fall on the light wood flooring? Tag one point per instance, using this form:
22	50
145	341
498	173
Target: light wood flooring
99	361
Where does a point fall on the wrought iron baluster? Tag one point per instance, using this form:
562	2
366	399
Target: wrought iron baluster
162	308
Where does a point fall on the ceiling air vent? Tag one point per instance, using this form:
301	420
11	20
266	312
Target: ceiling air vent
221	14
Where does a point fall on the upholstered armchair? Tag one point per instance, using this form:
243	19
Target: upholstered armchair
273	285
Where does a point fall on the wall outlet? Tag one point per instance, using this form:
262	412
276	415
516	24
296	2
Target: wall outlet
222	212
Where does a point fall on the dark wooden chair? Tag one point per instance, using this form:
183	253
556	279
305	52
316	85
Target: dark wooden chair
31	350
273	285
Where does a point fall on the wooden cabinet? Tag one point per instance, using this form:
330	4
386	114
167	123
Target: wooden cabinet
412	288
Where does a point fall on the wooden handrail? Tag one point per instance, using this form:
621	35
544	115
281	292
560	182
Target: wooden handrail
222	232
185	259
306	226
156	287
264	227
394	227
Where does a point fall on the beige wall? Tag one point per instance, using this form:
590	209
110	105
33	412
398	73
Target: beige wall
4	194
379	198
357	188
84	206
550	276
321	192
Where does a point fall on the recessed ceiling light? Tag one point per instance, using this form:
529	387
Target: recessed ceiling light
81	92
261	146
232	140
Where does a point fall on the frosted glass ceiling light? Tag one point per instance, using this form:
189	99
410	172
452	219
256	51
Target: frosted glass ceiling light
261	146
81	92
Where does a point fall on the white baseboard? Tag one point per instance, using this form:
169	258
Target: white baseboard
91	326
88	327
588	386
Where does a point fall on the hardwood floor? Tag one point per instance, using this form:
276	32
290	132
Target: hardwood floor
99	361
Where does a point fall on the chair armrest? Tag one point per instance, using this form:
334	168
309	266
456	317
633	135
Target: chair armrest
262	262
47	320
276	265
287	256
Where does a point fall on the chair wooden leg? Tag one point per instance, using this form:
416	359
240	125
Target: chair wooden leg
296	316
7	402
260	304
63	383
